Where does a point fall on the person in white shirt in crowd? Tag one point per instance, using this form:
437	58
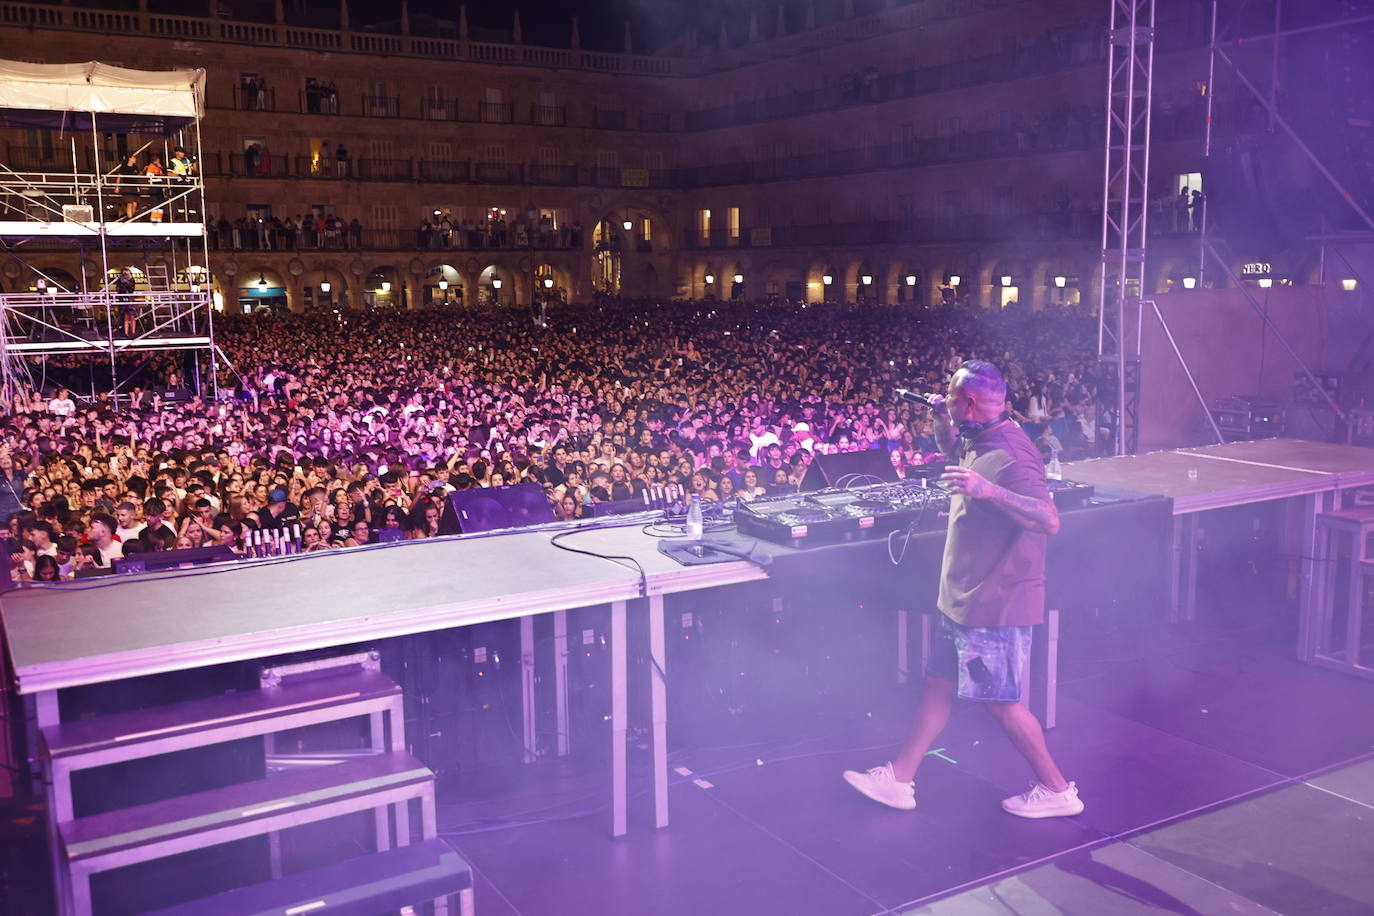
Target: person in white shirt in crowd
43	543
102	535
128	526
62	404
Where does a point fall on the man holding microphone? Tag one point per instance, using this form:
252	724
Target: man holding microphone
992	591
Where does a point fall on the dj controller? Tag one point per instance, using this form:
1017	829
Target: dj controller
835	515
832	516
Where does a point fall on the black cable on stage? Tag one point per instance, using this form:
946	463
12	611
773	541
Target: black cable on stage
613	557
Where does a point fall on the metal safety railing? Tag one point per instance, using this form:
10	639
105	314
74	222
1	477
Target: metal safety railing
54	197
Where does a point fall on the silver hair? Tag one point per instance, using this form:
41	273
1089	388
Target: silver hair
983	380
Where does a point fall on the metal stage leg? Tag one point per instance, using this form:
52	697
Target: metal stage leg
530	731
81	892
1354	610
1183	604
560	678
619	676
377	726
902	647
658	700
396	741
45	713
1316	577
1044	692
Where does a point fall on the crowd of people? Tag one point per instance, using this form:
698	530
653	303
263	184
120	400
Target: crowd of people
347	424
273	233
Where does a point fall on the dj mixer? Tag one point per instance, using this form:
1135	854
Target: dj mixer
832	516
835	515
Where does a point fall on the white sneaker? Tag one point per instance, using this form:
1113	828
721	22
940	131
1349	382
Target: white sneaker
1043	802
882	786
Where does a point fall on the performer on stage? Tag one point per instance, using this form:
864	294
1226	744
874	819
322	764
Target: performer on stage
992	590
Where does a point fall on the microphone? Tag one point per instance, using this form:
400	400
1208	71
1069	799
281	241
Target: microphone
908	395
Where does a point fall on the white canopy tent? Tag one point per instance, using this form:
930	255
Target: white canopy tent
120	99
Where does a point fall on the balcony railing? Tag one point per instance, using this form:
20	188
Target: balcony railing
653	120
249	238
319	100
265	165
551	174
372	169
496	112
440	110
381	106
608	119
452	172
604	177
549	115
1065	223
321	166
255	98
497	172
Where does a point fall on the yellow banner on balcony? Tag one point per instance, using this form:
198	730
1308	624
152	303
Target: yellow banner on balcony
634	178
761	237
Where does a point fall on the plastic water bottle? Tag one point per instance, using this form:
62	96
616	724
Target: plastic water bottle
1054	471
695	527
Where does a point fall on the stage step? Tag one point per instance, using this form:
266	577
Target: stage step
381	883
163	729
160	829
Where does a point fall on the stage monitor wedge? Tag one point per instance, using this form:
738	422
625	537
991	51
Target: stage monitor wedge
494	508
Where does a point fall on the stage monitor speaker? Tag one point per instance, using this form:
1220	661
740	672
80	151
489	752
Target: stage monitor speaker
175	395
149	561
849	469
494	508
620	507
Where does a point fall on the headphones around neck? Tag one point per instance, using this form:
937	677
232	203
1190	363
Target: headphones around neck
968	430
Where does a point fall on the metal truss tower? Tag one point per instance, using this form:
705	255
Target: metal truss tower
1125	194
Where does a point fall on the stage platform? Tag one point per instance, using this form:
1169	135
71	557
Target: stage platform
1304	478
99	630
1238	473
71	635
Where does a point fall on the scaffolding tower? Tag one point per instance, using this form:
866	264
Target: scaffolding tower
104	211
1125	195
1130	88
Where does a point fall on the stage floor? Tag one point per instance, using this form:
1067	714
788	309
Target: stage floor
1219	774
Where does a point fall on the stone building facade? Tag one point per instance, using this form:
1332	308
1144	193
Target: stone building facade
877	156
